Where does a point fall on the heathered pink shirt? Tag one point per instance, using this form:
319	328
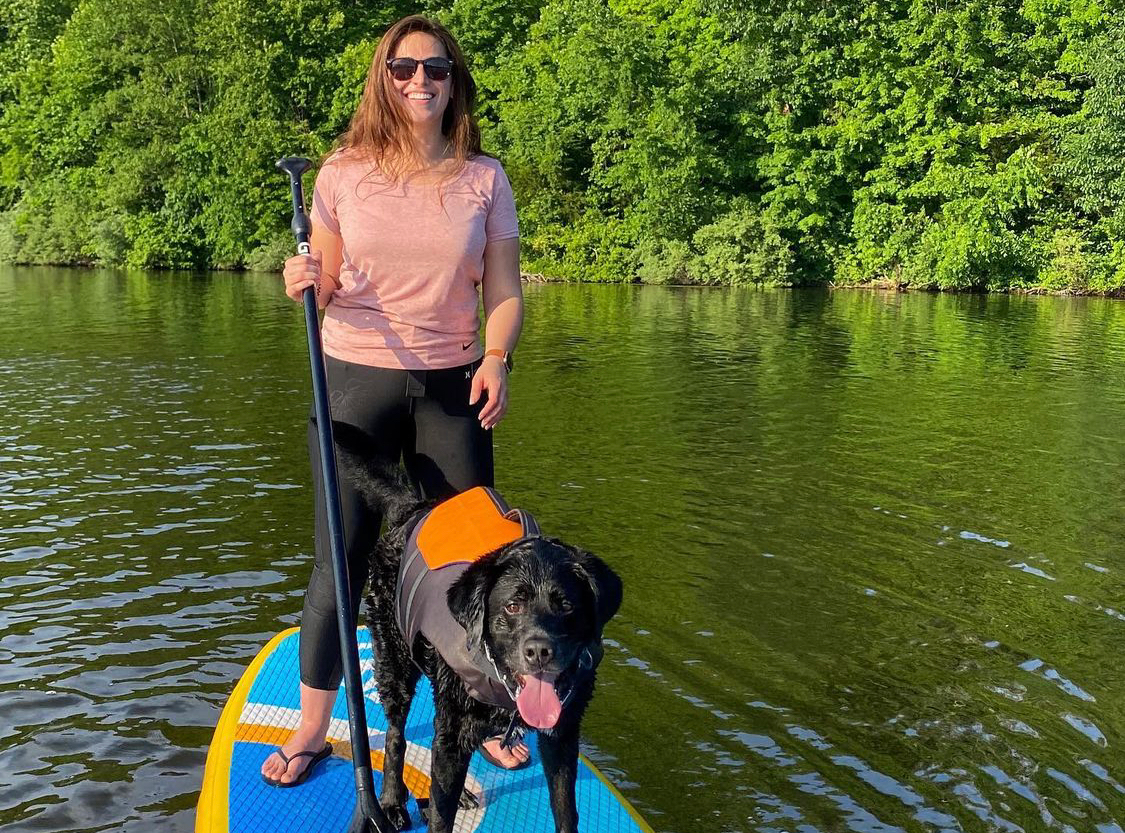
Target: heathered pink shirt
413	261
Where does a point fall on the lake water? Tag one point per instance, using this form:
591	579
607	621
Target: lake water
872	543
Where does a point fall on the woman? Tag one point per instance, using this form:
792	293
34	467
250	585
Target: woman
408	218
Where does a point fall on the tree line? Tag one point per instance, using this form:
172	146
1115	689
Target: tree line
924	143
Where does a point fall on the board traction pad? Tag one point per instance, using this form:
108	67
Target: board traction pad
264	709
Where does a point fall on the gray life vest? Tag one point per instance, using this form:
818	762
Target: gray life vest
440	547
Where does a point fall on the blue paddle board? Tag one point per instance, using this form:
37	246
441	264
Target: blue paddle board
264	710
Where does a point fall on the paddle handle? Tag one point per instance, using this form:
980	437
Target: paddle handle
368	812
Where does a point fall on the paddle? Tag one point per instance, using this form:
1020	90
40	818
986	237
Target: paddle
368	814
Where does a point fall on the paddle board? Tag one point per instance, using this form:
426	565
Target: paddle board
263	711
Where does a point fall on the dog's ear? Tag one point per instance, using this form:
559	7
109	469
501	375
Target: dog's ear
468	600
605	584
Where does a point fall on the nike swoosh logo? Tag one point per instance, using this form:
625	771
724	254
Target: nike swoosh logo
467	346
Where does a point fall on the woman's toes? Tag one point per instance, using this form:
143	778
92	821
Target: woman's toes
272	766
507	758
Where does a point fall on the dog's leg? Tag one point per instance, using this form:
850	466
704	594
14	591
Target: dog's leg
448	768
396	701
396	677
559	750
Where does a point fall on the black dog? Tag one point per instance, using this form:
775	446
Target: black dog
527	637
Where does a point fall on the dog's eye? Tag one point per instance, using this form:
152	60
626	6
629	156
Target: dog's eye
512	608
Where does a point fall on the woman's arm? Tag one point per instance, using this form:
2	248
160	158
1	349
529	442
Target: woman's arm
502	294
321	269
331	249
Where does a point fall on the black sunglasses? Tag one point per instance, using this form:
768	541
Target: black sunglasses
403	69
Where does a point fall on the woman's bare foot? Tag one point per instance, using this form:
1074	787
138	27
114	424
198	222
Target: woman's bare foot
512	758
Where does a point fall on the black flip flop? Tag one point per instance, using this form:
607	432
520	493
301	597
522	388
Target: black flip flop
496	762
317	757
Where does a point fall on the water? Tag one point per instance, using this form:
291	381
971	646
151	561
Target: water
872	544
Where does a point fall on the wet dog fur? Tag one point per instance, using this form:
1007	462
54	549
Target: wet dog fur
564	597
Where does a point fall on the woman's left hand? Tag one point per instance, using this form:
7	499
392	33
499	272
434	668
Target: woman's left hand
491	378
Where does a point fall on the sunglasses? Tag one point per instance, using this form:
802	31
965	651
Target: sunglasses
403	69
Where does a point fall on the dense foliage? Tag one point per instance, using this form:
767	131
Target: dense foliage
965	144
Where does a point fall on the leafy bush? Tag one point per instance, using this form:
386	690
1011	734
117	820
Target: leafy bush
665	262
742	248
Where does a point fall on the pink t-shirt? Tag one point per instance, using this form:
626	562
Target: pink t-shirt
413	259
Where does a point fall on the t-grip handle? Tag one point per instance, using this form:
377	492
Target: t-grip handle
295	166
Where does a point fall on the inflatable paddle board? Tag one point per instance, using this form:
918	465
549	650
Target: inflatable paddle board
264	710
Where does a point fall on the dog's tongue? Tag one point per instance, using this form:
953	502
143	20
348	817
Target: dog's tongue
537	701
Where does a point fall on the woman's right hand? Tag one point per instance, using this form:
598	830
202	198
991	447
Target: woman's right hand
301	272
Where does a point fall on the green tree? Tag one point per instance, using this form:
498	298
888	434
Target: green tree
975	144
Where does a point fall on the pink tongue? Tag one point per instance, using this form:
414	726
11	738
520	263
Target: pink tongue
537	701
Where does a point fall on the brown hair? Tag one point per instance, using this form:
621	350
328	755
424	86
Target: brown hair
381	128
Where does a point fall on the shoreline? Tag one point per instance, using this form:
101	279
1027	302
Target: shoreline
871	286
545	279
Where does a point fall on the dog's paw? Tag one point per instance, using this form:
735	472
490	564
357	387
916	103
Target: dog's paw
396	814
468	801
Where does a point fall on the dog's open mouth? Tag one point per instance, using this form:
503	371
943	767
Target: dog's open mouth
538	700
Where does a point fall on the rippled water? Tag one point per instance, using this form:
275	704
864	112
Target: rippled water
872	544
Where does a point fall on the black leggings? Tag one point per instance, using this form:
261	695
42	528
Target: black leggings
420	416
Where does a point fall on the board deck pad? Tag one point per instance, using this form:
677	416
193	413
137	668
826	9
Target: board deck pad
263	711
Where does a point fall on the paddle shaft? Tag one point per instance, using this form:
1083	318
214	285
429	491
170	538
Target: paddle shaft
369	814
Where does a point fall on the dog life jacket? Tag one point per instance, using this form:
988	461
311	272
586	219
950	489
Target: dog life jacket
442	545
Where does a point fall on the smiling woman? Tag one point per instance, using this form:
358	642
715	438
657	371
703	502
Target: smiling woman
417	122
412	227
426	92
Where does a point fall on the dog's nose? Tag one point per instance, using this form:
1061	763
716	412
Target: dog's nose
538	652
